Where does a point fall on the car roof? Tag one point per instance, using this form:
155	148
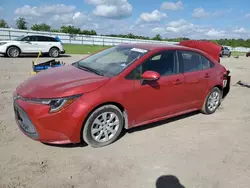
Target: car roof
39	35
155	46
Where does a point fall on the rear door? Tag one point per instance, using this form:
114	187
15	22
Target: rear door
44	43
35	44
195	78
209	74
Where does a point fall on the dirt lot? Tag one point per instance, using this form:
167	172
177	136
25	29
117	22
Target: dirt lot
201	151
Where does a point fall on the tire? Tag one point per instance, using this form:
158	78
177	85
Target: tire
13	52
100	137
54	52
215	95
229	55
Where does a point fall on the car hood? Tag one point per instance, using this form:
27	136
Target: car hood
61	81
211	48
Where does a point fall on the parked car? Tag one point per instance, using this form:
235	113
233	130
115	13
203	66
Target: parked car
30	44
125	86
247	54
225	51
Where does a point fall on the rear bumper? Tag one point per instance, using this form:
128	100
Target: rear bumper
226	89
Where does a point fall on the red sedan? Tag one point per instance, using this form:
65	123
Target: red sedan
248	54
124	86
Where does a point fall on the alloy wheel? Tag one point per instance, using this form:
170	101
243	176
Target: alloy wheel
213	101
105	127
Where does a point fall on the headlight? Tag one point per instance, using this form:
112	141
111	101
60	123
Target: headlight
58	104
3	43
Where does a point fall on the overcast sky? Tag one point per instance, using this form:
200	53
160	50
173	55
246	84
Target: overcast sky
188	18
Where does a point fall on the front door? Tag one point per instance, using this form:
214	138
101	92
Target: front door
160	98
36	44
29	45
26	45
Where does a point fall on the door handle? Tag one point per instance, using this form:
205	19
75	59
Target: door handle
194	81
177	82
207	75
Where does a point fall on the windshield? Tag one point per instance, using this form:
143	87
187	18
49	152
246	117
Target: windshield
18	38
112	61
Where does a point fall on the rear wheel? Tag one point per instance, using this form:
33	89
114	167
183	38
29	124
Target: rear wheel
103	126
229	55
54	52
212	101
13	52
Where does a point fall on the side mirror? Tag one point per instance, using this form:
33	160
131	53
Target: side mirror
150	76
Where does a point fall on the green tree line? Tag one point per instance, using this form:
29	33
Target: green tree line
21	23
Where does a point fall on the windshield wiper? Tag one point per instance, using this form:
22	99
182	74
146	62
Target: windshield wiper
89	69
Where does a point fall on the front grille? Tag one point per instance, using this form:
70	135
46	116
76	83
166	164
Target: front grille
24	122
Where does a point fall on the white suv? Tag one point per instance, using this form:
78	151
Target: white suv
29	44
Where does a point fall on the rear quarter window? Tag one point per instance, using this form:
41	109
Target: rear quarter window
206	63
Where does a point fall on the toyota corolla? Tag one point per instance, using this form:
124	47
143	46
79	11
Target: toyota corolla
122	87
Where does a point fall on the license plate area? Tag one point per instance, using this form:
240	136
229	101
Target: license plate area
23	120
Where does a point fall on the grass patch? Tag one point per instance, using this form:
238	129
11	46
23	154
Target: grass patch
238	53
82	49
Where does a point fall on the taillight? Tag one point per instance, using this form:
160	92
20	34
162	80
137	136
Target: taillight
226	73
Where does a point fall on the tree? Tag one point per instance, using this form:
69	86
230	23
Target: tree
55	30
87	32
157	37
70	29
41	27
21	23
3	24
93	32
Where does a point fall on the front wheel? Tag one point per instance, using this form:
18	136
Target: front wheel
13	52
212	101
103	126
54	52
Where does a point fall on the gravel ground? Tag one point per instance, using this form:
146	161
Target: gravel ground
195	151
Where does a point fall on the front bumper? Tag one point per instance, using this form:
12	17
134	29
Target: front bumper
24	123
63	52
60	128
3	49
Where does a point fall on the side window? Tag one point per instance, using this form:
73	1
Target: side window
42	38
191	61
157	57
51	39
26	38
33	38
206	63
164	63
135	74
